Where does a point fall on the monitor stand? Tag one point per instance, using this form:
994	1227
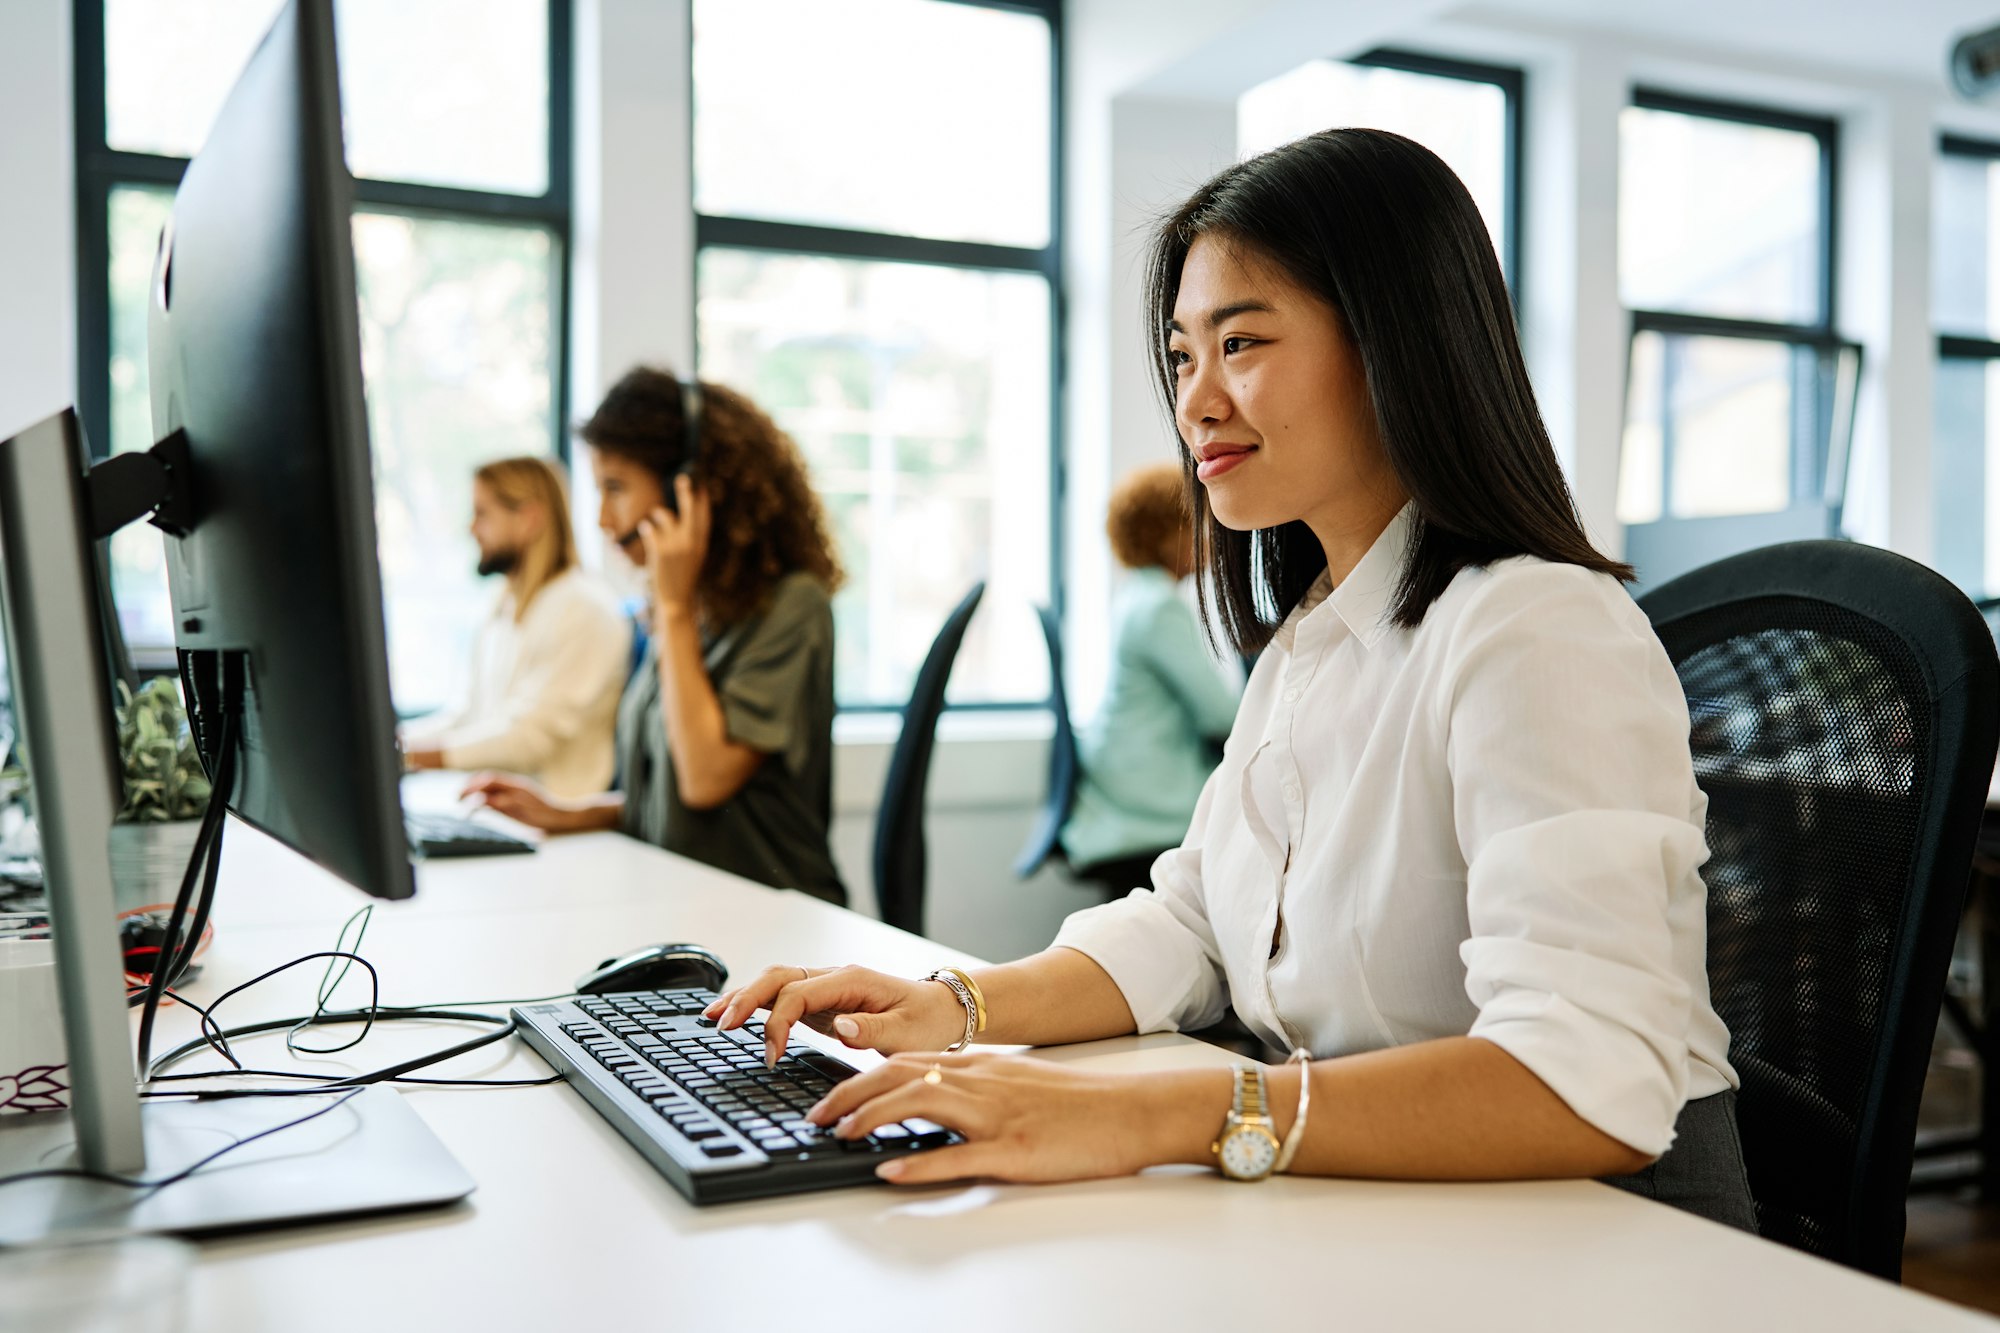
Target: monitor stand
370	1155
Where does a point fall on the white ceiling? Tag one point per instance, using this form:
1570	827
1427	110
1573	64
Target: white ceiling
1906	38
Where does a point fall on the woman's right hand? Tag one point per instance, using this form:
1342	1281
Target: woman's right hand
519	798
860	1008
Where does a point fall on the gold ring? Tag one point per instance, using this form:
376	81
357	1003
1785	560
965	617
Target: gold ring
934	1075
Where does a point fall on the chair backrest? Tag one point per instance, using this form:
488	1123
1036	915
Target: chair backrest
899	826
1046	836
1844	705
1990	608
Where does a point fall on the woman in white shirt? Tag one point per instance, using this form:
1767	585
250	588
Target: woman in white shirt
552	657
1452	850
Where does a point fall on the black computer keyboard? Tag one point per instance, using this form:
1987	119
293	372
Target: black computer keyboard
699	1103
434	835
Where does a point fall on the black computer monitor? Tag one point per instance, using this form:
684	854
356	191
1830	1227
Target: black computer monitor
261	478
255	352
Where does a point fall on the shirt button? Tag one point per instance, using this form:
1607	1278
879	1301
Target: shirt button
1292	695
1292	793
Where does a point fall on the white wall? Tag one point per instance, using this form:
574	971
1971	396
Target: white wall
37	214
632	227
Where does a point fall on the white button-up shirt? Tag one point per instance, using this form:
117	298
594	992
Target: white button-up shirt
1488	824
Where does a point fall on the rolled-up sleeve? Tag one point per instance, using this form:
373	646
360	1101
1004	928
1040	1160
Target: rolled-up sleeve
1156	943
766	690
1571	776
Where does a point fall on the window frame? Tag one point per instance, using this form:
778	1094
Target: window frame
1512	82
764	236
1824	457
101	169
1963	346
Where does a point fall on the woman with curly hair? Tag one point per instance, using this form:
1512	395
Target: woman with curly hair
725	734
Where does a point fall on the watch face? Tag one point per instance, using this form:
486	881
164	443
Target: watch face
1248	1153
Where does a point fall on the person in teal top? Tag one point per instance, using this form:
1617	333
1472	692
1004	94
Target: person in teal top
1151	746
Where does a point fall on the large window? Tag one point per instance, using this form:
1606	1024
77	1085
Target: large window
457	129
1469	115
1740	393
877	262
1965	307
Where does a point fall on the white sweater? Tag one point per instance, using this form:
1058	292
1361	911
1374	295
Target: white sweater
545	690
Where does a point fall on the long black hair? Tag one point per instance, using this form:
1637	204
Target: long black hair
1383	232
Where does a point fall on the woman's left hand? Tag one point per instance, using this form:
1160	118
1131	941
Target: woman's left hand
676	544
1025	1119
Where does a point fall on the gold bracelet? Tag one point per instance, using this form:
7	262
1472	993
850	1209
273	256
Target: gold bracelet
1296	1135
949	979
978	997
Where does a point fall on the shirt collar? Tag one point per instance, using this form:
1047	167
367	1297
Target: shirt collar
1362	599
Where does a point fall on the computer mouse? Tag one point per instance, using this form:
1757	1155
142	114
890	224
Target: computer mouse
656	967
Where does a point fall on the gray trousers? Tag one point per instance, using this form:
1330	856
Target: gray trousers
1703	1171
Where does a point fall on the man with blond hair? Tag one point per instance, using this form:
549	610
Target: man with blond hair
550	661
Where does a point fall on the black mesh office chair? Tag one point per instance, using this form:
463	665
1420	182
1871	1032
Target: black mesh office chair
1845	704
1045	839
1989	607
1980	1033
899	827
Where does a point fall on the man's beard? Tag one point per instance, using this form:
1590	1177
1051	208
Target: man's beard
500	562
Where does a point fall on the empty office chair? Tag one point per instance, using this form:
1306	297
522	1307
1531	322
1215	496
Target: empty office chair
899	826
1844	704
1045	839
1979	1033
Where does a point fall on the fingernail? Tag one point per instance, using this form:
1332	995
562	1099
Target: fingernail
891	1170
846	1026
844	1127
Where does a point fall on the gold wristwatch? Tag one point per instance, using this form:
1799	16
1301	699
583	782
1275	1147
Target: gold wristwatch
1247	1147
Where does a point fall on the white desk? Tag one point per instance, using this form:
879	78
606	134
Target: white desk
570	1230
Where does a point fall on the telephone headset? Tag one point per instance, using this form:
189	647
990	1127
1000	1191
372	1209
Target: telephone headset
691	409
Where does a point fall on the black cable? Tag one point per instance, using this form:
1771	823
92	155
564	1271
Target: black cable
134	1182
223	783
367	1017
203	905
214	1037
329	983
385	1075
199	1074
169	963
181	1051
390	1009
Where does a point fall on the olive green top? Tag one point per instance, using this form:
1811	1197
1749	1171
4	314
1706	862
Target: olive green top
774	676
